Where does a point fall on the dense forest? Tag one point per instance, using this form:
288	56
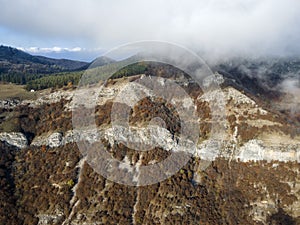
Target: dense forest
57	80
54	80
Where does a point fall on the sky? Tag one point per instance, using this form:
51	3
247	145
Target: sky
84	29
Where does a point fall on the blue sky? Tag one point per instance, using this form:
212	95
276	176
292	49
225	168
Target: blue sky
82	30
55	47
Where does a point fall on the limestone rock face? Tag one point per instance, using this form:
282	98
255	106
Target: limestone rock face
15	139
55	140
52	140
9	104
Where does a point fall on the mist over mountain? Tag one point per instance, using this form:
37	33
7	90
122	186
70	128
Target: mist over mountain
86	139
249	176
274	78
219	28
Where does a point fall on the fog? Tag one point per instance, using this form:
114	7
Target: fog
213	28
291	101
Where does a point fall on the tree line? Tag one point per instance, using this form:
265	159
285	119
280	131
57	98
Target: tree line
57	80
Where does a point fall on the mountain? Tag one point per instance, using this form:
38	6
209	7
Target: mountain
14	61
243	169
15	56
20	67
100	61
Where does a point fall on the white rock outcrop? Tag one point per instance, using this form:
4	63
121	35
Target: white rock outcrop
154	136
9	104
16	139
55	140
52	140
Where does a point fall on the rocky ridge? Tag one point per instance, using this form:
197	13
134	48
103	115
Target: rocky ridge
240	106
252	178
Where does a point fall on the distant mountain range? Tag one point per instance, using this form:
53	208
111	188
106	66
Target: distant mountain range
15	61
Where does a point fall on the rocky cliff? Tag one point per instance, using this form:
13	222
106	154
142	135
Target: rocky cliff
250	177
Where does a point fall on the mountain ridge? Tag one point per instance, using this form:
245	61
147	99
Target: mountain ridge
254	180
16	56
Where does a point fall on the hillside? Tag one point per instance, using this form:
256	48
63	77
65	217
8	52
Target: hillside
100	61
38	72
15	56
18	67
250	177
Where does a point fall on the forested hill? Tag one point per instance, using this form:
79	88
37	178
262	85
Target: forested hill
19	67
38	72
16	56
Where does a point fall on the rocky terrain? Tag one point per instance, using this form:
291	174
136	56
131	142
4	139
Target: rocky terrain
250	177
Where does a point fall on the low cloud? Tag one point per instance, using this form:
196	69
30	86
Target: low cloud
37	50
291	101
218	28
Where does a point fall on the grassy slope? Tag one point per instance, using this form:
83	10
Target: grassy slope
9	121
9	91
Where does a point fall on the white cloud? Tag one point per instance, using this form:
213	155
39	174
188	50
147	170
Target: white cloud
220	27
37	50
